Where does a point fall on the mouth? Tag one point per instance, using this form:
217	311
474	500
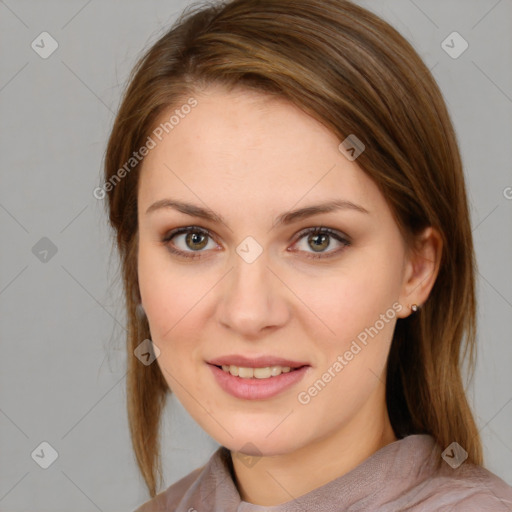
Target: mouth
257	383
262	372
259	362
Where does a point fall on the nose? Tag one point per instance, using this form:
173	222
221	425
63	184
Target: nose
254	299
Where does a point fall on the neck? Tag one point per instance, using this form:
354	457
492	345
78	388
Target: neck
280	478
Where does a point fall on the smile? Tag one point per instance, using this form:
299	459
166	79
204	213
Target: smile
258	373
257	383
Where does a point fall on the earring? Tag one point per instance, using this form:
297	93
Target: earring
415	307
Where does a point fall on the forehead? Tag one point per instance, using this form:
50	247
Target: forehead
241	144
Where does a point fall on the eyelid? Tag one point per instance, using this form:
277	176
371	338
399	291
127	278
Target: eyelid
322	229
333	233
166	239
341	237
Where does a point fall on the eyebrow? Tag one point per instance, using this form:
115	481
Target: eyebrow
284	219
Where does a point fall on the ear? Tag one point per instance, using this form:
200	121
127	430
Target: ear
421	270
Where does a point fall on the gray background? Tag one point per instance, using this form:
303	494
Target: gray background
62	370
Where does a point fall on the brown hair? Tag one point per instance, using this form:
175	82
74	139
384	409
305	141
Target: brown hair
356	74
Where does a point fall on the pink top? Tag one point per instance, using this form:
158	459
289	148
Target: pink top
406	475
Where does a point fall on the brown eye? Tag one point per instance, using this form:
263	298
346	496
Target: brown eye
196	241
319	239
187	241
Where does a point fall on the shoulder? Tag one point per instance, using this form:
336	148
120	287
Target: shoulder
469	488
483	501
172	495
484	491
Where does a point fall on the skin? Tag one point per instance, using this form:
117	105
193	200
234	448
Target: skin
249	158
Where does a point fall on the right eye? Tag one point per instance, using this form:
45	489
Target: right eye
194	238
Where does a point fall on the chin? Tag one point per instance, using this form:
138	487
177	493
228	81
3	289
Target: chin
260	445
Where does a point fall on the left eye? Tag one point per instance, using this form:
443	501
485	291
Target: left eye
320	237
196	239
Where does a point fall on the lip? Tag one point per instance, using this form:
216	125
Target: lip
257	389
255	362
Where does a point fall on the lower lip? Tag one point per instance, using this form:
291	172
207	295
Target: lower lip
257	389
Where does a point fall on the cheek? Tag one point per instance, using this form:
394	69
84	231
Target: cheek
154	285
168	295
174	300
343	303
354	320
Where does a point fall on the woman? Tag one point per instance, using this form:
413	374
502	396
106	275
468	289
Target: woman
289	204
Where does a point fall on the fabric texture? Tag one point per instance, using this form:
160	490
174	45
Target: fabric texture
406	475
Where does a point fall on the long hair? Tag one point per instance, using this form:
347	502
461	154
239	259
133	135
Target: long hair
354	73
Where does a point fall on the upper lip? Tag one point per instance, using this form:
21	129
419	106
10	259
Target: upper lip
255	362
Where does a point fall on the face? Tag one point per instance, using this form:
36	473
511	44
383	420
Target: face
253	282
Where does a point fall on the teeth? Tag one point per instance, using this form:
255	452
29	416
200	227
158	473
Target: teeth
258	373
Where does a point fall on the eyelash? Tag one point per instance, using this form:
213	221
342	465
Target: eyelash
315	230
